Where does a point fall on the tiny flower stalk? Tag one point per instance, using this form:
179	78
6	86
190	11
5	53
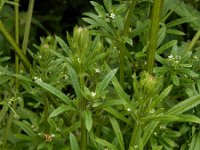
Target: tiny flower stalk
155	19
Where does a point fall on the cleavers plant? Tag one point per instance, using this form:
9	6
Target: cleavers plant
127	80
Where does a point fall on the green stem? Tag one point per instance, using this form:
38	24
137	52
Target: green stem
10	119
83	141
121	45
128	17
155	19
27	26
194	41
16	48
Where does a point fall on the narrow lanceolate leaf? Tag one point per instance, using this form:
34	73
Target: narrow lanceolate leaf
73	142
74	78
124	97
25	127
180	21
106	144
149	131
63	45
104	83
88	120
53	90
161	97
166	46
60	110
116	114
195	144
189	118
118	132
184	105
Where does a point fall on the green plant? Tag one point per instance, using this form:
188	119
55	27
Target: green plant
126	80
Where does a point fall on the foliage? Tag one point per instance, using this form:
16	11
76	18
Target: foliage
128	79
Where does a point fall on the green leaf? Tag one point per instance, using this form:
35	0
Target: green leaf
180	21
189	118
62	43
53	90
99	9
149	131
195	144
124	97
104	83
161	97
60	110
108	4
175	32
175	79
108	103
118	132
166	46
161	36
117	114
24	137
141	27
184	105
101	23
74	78
88	120
106	143
73	142
25	127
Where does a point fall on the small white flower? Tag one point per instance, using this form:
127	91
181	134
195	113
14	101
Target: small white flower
135	146
39	133
37	79
155	133
195	57
112	15
170	56
40	56
53	135
128	109
93	94
152	111
79	60
97	70
162	127
66	77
